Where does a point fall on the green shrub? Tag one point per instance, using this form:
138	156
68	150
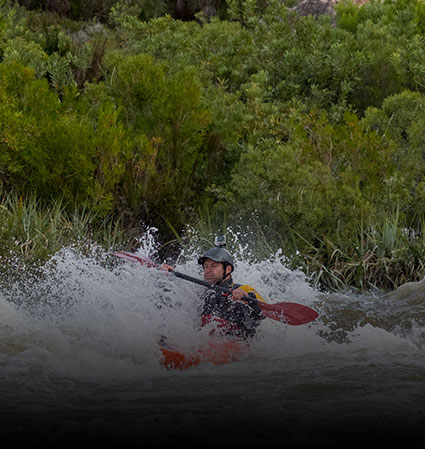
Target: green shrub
318	182
402	118
311	125
46	146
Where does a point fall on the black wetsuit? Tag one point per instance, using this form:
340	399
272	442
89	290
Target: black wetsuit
231	318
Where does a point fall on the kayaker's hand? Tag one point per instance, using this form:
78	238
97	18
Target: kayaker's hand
238	294
166	267
250	299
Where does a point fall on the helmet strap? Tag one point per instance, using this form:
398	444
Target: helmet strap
225	274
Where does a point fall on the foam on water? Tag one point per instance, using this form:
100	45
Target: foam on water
86	331
94	319
83	317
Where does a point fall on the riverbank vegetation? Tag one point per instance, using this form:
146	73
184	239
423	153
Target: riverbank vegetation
307	129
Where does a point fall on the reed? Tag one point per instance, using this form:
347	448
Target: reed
379	256
31	232
382	257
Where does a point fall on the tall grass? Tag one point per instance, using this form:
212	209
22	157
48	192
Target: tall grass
382	256
31	232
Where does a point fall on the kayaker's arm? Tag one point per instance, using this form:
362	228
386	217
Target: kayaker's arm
241	295
250	299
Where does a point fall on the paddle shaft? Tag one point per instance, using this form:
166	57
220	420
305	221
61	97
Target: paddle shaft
287	312
217	288
150	263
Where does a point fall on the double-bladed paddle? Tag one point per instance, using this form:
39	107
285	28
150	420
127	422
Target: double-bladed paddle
286	312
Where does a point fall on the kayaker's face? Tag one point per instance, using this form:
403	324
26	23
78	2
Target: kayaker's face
214	271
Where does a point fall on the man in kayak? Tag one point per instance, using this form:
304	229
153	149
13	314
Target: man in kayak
237	315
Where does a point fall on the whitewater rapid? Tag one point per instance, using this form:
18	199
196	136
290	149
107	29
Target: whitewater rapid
80	360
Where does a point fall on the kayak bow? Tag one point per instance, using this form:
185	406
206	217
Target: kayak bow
217	353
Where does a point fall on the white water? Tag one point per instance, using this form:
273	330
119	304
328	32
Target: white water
79	360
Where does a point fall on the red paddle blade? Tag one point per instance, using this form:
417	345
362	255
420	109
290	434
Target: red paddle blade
135	258
289	312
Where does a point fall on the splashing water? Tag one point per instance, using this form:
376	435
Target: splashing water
80	359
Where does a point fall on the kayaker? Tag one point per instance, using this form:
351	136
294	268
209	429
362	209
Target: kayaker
237	315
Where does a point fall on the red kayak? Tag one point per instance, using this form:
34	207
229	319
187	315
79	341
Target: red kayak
217	353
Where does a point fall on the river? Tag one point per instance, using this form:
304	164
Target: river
80	361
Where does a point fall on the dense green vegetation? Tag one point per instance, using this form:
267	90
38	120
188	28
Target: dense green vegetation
308	129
